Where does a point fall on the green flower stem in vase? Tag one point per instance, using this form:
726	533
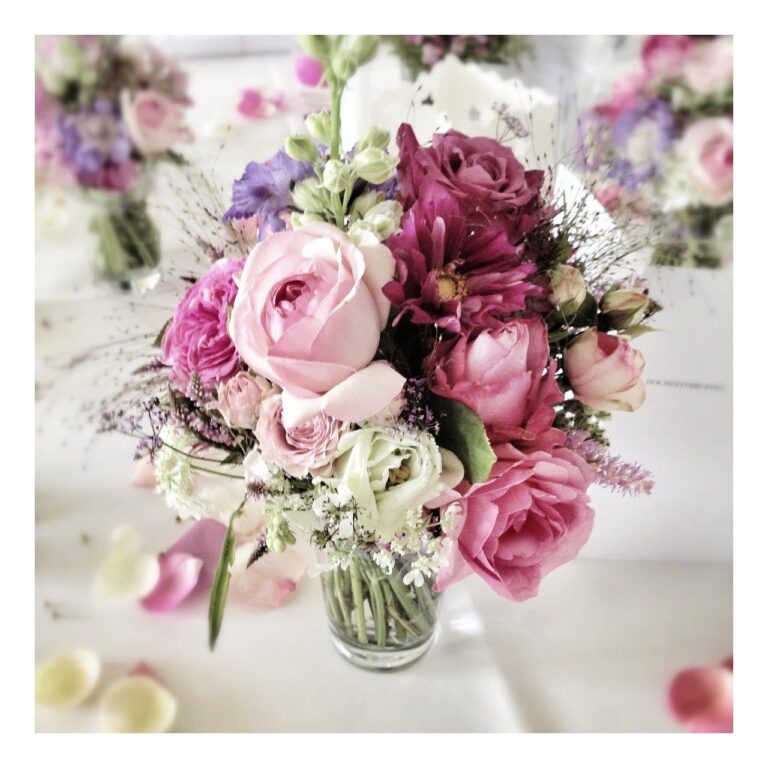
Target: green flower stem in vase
128	243
377	620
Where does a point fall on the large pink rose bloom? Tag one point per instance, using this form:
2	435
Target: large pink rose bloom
505	376
308	316
605	372
665	55
196	341
707	149
307	448
530	517
154	121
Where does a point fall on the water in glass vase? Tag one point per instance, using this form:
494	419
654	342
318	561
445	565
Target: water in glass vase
377	620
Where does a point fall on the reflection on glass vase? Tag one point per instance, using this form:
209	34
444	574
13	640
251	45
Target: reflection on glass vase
377	620
128	242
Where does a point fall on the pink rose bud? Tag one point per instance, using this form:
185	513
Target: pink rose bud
568	289
605	372
625	308
240	398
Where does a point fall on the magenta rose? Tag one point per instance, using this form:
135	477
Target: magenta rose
308	316
240	398
665	55
605	372
706	148
505	376
483	175
196	341
307	448
530	517
154	121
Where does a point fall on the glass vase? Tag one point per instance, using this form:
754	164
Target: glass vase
128	242
377	620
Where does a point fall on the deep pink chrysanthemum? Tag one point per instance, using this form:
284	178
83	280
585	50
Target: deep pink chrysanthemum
452	272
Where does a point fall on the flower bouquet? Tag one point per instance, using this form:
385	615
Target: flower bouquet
105	114
410	370
421	52
663	147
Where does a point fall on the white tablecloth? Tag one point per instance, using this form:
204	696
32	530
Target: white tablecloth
594	652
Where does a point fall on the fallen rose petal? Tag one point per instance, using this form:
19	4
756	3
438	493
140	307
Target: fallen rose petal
143	474
202	541
126	573
137	704
266	583
142	668
179	574
68	679
701	698
255	106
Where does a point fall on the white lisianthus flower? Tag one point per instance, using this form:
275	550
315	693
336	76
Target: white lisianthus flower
389	474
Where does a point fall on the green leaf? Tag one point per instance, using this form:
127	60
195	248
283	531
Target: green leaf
159	338
462	431
638	330
220	586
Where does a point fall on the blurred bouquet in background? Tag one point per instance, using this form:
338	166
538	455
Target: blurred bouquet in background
105	114
662	147
406	359
422	52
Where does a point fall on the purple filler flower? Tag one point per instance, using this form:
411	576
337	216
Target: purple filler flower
264	190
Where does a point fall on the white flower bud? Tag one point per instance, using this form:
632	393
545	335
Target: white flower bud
374	165
310	196
568	289
373	137
363	203
319	126
364	49
315	45
343	64
625	308
301	147
337	176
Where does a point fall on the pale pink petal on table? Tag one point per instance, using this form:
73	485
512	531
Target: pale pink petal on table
143	474
269	581
202	541
179	575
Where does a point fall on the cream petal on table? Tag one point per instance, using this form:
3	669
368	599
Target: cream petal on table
137	704
68	679
126	573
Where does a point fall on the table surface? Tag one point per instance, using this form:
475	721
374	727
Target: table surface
594	652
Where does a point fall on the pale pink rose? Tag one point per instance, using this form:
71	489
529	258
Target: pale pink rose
240	398
701	698
665	55
530	517
154	121
505	376
308	316
709	66
301	450
707	149
605	372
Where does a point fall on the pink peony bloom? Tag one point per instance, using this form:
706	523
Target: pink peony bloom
709	68
240	398
505	376
154	121
453	274
484	176
605	372
308	316
707	149
701	698
530	517
196	341
309	71
665	55
307	448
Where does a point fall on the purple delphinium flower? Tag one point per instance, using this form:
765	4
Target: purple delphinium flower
641	136
610	471
264	190
96	145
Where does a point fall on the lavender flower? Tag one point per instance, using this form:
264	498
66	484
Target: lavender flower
264	190
611	471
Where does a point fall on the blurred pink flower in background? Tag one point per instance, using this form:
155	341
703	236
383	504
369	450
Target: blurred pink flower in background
665	55
257	104
309	70
701	698
707	148
154	121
